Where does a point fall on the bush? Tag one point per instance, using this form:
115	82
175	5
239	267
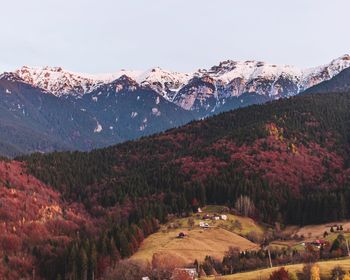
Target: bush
307	271
254	237
337	273
280	274
292	276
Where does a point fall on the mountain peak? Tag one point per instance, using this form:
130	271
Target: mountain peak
124	82
58	81
11	76
345	57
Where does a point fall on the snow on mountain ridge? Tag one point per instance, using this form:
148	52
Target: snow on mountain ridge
228	70
164	82
234	78
10	76
57	81
60	82
229	78
315	75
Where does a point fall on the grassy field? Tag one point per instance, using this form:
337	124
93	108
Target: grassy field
221	235
199	243
325	269
316	231
196	245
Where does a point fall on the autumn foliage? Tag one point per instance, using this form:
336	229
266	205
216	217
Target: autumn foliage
289	159
33	218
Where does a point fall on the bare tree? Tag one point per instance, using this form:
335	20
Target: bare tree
245	206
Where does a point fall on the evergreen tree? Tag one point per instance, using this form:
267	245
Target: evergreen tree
83	264
124	245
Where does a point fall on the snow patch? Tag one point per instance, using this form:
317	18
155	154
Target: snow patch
98	128
156	112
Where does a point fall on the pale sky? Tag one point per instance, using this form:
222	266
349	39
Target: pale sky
97	36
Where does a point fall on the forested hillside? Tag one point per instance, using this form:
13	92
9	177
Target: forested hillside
42	236
289	157
286	150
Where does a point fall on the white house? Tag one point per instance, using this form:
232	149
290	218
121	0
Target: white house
203	225
223	217
191	272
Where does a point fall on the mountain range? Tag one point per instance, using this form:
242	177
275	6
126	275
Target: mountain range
68	214
47	109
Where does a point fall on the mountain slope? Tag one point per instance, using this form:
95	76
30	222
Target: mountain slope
32	120
35	120
339	83
126	110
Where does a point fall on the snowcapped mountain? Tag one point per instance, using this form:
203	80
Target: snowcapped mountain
314	76
33	119
204	91
210	89
60	82
164	82
46	109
